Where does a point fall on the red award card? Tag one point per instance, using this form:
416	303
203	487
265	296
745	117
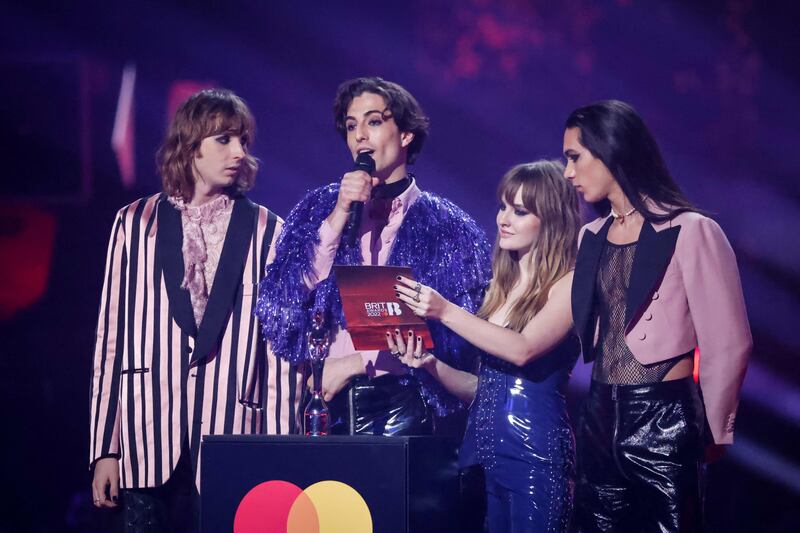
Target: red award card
371	307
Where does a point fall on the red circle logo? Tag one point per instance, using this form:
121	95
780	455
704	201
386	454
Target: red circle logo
282	507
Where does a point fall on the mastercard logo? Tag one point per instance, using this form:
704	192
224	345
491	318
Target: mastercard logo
283	507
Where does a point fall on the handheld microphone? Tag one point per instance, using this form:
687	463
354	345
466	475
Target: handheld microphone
363	162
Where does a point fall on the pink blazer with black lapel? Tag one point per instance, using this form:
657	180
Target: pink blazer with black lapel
684	292
157	377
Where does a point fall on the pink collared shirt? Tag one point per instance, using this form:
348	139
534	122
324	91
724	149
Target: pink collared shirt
377	237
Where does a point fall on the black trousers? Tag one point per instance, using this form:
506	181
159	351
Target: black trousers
388	405
173	507
638	455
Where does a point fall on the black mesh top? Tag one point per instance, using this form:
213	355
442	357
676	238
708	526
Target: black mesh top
615	364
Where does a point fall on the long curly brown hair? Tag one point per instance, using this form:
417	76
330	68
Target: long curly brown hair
206	113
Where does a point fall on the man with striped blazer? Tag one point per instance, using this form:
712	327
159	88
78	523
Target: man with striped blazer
178	351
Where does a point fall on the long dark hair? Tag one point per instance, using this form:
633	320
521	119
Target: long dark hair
615	133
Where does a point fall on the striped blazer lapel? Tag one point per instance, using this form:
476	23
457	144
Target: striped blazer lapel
169	257
228	279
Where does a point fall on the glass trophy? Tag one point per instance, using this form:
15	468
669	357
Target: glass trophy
316	417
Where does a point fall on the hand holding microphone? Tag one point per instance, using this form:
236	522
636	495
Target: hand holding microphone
354	190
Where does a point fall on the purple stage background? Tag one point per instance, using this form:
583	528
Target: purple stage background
717	81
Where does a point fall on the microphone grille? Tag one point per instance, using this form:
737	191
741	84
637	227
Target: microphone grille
365	162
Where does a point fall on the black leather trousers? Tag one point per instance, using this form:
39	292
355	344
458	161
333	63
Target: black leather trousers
387	405
638	456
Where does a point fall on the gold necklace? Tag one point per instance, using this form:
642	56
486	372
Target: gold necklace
621	216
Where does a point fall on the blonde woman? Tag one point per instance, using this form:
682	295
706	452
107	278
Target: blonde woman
518	429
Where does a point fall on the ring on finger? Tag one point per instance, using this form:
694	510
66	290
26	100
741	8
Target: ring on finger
416	297
418	287
396	354
418	356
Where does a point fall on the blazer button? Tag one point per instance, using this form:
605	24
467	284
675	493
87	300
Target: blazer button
648	316
655	295
642	336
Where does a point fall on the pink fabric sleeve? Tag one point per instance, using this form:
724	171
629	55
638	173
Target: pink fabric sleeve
105	408
717	307
324	254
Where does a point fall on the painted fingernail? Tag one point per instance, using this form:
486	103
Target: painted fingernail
419	339
397	332
388	334
410	333
397	294
115	499
398	278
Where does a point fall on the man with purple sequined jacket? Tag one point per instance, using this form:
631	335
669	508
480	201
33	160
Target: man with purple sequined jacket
371	392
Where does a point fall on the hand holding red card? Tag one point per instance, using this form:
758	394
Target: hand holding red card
423	301
371	306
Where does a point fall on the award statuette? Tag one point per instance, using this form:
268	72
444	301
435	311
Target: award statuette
316	418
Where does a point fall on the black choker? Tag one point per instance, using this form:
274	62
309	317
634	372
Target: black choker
392	190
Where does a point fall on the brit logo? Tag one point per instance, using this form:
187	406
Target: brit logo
384	309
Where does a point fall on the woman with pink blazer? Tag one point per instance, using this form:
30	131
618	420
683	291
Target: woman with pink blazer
654	279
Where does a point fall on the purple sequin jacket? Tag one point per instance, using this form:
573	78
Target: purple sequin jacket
443	245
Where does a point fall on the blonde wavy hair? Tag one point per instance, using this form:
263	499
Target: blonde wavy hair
549	196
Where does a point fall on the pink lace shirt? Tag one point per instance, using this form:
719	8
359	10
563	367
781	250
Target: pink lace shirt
204	230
